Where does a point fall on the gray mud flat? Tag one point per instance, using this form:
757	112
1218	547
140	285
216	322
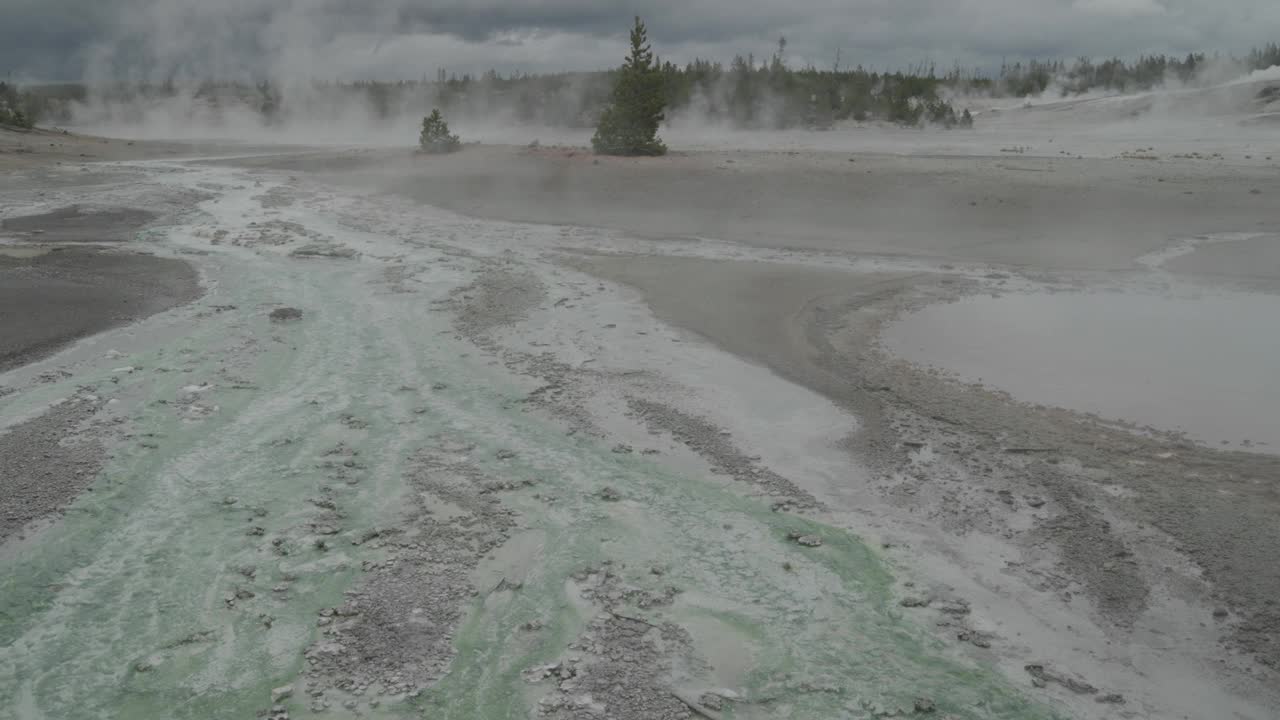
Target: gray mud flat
62	295
78	224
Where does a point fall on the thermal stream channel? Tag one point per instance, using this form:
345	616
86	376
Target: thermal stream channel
154	596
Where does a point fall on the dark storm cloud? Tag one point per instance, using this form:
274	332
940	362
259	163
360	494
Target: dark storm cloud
342	38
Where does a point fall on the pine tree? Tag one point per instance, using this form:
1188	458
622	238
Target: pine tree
629	125
435	137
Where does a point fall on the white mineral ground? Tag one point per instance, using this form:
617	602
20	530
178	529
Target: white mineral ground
810	425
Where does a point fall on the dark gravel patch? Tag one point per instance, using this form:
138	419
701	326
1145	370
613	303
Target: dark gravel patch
75	223
51	300
44	466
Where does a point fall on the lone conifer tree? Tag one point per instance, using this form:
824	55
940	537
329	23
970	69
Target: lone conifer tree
629	125
435	137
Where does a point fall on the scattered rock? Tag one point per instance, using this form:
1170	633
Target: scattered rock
712	701
925	706
1041	676
805	540
280	694
975	638
1111	698
285	314
609	494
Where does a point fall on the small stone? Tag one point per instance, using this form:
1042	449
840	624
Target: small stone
285	314
711	701
281	693
610	495
1112	699
1220	612
809	540
914	602
925	706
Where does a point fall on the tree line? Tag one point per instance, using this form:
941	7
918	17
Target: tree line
1116	75
747	93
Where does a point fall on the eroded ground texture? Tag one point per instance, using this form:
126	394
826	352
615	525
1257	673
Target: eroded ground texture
400	462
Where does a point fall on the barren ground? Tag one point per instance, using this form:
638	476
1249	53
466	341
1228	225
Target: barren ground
566	437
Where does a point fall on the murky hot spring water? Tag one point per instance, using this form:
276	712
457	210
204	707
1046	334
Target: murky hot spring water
1206	365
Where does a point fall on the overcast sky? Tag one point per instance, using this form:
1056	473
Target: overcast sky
350	39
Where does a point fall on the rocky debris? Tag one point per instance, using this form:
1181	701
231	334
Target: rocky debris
273	232
497	298
1042	676
957	608
609	494
975	638
351	421
622	449
925	706
605	586
711	701
324	250
566	670
1111	699
698	705
496	486
708	441
46	462
281	694
505	454
805	540
394	635
285	314
624	675
913	601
